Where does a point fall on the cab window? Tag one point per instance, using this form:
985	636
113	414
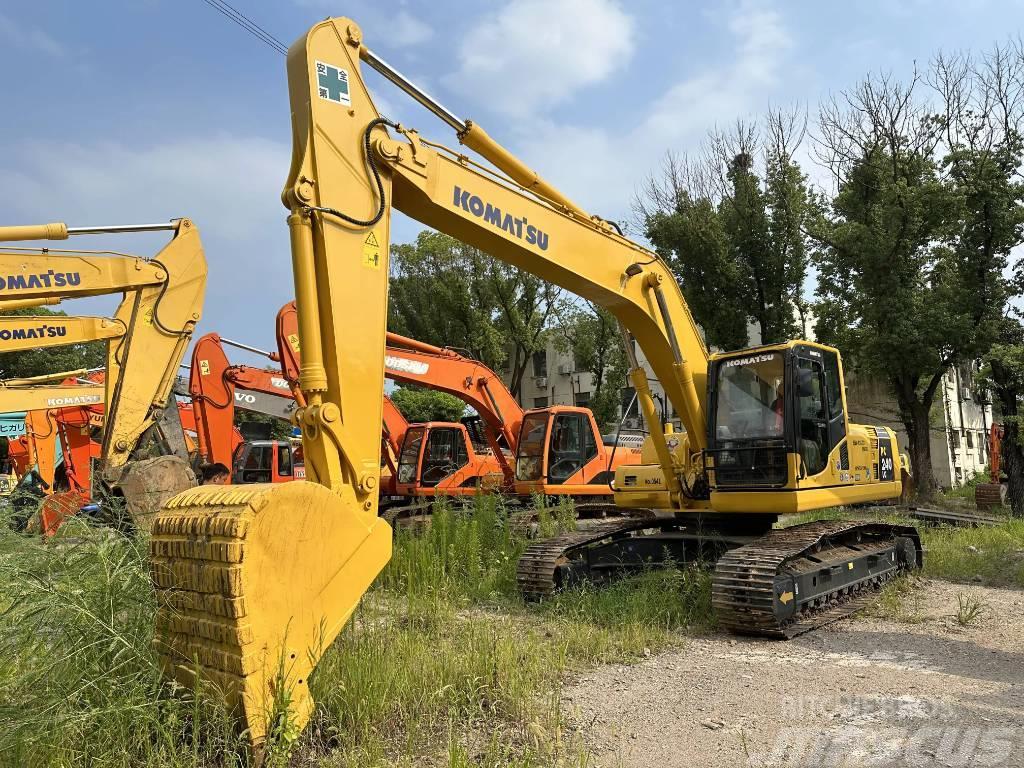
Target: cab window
410	456
530	457
284	460
572	446
445	454
813	415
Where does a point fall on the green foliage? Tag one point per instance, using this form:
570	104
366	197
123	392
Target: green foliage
987	555
279	428
79	684
969	608
439	295
450	294
735	235
914	249
41	361
591	334
419	405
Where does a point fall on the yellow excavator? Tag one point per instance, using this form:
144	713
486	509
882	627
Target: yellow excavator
256	581
144	459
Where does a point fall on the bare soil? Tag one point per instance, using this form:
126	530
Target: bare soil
866	691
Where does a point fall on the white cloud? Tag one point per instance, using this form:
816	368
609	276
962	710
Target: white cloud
406	29
29	37
542	52
230	186
739	83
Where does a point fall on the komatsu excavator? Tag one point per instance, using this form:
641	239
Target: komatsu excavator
256	582
143	458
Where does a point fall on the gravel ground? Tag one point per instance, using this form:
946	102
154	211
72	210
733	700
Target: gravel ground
865	691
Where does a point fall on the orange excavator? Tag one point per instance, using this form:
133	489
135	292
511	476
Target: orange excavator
558	449
216	388
993	493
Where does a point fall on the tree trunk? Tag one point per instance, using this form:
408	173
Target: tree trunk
915	418
1012	452
1013	466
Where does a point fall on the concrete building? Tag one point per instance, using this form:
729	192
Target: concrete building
552	379
959	423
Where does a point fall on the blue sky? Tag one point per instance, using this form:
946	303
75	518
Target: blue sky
123	111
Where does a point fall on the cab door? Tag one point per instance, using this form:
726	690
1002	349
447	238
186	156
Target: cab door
819	411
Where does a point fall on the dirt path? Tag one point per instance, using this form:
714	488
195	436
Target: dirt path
863	692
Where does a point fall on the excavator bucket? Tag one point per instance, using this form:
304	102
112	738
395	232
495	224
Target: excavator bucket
254	583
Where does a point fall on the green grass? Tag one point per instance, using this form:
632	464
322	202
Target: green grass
442	665
988	555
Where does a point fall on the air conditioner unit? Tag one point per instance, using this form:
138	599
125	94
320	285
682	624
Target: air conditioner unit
541	382
564	369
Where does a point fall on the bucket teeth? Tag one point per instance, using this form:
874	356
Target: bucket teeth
252	583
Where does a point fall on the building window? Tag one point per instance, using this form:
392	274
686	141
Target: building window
956	439
970	439
540	402
540	362
582	399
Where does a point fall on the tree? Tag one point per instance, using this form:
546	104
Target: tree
450	294
418	405
46	360
591	334
438	295
913	250
732	224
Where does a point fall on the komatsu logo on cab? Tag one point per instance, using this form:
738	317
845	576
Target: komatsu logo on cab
506	222
39	332
48	279
749	360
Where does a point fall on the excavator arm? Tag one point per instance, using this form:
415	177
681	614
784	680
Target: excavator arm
33	332
415	362
162	303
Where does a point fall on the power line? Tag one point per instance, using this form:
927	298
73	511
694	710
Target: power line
250	26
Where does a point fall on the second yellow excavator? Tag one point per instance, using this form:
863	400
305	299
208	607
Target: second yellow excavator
144	459
257	582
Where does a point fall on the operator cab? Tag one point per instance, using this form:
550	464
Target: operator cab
431	453
267	461
777	414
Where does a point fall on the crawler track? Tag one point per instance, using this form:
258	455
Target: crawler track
780	584
796	579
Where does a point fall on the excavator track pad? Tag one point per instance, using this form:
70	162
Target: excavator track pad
793	580
253	584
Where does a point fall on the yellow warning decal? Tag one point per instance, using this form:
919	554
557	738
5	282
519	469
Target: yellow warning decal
785	597
293	341
849	566
204	367
372	250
